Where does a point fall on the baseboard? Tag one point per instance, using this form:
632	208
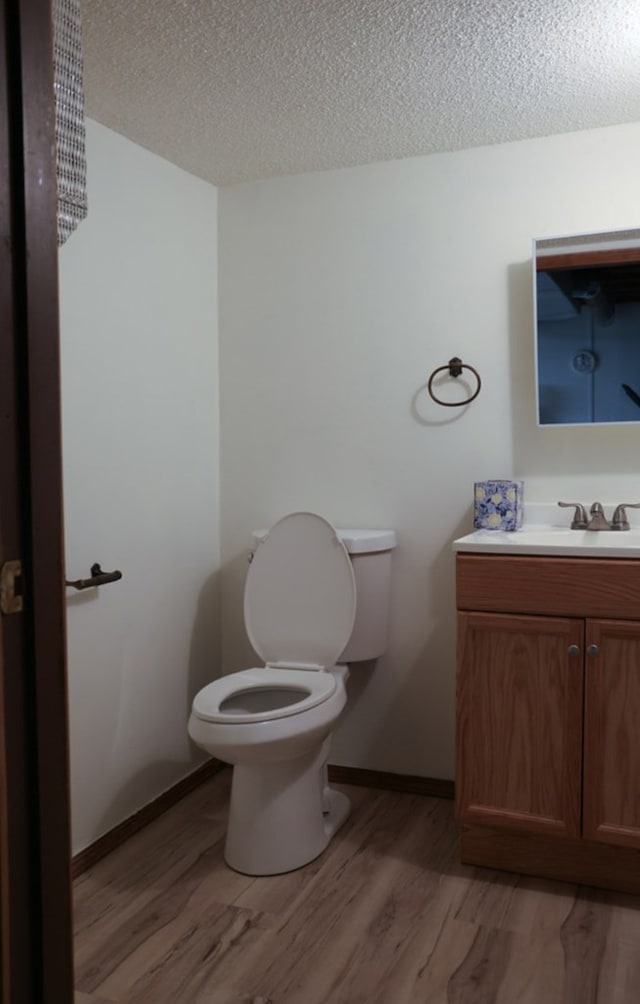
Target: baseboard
409	783
85	859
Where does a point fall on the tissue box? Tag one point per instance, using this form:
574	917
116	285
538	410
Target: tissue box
498	505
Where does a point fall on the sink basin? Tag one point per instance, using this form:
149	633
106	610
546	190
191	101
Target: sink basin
554	540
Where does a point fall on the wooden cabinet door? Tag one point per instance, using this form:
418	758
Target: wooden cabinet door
611	792
519	722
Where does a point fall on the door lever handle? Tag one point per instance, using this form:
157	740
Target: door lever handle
97	578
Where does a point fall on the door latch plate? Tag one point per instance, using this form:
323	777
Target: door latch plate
11	600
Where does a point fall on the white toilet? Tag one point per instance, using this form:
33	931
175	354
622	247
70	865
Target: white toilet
274	723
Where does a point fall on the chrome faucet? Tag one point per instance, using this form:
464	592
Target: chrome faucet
598	520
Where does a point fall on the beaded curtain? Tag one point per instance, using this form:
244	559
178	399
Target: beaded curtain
71	165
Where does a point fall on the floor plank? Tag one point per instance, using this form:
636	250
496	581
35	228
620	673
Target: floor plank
387	915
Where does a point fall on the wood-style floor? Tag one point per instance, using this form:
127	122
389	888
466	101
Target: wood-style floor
386	915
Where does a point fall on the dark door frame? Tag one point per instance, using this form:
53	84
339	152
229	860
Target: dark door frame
35	892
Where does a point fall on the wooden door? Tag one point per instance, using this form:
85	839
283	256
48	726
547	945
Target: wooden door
35	894
519	722
611	791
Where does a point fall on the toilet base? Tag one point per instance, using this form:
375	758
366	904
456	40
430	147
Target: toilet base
282	815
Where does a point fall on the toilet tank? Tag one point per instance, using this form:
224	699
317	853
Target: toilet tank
370	553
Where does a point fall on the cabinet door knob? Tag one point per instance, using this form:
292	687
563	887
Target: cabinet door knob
593	650
574	650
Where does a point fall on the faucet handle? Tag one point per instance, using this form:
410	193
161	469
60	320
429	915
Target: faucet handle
619	519
579	521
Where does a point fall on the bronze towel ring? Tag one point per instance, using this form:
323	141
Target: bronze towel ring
455	367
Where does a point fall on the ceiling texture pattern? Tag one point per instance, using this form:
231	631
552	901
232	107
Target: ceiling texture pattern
235	90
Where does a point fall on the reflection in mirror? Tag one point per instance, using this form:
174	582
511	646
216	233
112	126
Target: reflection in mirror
587	324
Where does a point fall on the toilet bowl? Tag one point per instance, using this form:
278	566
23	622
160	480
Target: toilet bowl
274	723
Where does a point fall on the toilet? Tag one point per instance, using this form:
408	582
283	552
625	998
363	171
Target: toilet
316	599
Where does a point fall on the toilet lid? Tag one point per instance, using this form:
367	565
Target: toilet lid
300	594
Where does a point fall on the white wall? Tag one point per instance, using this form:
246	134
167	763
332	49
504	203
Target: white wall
140	435
340	292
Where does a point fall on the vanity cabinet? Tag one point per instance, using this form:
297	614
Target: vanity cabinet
548	716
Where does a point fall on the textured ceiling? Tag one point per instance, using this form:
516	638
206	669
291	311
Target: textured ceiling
233	90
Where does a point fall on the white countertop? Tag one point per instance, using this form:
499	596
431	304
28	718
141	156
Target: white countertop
553	540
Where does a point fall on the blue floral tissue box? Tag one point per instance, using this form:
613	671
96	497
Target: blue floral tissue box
499	505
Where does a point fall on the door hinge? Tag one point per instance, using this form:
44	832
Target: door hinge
11	599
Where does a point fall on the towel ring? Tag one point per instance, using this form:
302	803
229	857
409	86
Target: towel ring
455	367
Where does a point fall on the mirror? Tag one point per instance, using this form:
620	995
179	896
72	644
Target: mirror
587	328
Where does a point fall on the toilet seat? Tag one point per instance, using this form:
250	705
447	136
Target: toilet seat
313	688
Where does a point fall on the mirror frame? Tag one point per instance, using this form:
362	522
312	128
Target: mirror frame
612	247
